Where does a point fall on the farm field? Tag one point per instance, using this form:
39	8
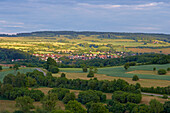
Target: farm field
121	72
45	45
147	50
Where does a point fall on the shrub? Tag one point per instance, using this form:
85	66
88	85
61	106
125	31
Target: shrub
168	69
161	71
53	69
0	68
85	69
135	78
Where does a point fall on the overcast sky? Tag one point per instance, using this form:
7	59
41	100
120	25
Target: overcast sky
151	16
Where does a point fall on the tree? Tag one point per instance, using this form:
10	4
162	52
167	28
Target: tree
53	69
61	92
98	108
126	66
90	74
63	75
49	74
161	71
95	70
141	109
165	96
9	79
0	67
135	78
49	102
167	107
61	111
25	103
155	106
16	67
75	107
85	69
154	69
68	97
168	69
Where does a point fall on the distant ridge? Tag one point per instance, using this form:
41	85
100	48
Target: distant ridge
165	37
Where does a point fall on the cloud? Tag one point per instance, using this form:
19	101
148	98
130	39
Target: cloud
110	6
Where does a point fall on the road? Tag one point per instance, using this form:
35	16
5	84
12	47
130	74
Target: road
152	94
41	71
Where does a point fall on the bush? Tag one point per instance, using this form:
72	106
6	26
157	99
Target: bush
161	71
168	69
63	75
61	92
135	78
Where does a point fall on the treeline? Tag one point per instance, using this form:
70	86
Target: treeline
113	35
159	90
140	59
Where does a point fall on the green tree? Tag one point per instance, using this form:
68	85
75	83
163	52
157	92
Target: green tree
53	69
155	106
9	79
49	102
98	108
154	69
85	69
16	67
75	107
63	75
90	74
49	74
167	107
61	111
135	78
0	67
161	71
168	69
25	103
68	97
95	70
126	66
141	109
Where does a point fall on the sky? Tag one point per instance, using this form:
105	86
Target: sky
147	16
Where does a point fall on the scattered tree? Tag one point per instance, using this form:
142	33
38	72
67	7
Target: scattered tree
154	69
90	74
85	69
0	67
75	107
155	106
16	67
25	103
63	75
168	69
98	108
68	97
126	66
135	78
161	71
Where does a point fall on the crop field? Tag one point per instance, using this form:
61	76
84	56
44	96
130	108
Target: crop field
11	71
147	50
54	44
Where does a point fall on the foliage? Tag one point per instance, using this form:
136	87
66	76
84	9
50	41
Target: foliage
68	97
154	69
49	102
141	109
126	66
165	96
155	106
24	103
90	74
63	75
91	96
85	69
135	78
98	108
75	107
167	107
168	69
0	67
61	92
161	71
124	97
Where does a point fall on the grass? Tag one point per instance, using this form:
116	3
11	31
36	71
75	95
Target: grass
121	72
10	71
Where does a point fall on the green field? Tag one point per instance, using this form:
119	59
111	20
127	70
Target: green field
4	73
121	72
